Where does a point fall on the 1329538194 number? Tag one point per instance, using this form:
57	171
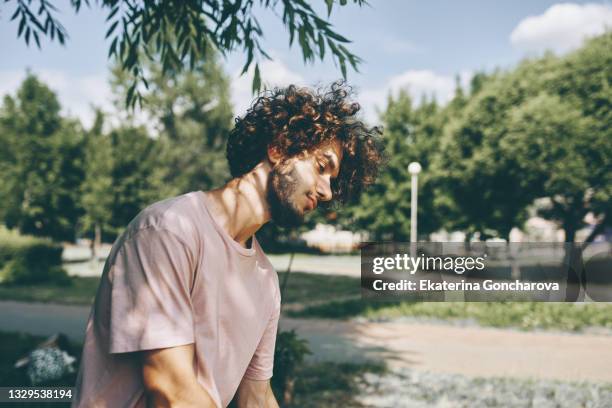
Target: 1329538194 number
34	393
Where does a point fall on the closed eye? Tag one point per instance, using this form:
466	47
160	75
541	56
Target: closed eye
322	168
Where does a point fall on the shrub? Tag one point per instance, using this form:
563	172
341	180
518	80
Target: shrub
288	357
26	259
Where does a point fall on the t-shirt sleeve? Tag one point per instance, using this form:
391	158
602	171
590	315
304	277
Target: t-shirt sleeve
150	301
261	366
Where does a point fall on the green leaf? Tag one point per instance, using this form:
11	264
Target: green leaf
186	49
321	42
330	4
302	40
256	79
263	53
131	58
21	26
248	61
158	42
129	99
111	29
14	16
342	62
112	13
320	23
336	36
37	39
113	48
122	47
333	47
37	23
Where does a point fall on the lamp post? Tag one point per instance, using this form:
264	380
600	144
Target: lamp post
414	169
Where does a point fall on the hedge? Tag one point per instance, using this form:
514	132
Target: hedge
25	259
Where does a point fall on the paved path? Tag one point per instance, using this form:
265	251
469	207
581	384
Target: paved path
43	318
470	351
484	352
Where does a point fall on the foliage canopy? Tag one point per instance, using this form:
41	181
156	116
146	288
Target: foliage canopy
181	33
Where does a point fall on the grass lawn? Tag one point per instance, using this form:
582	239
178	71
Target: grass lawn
523	315
81	291
302	288
338	297
305	288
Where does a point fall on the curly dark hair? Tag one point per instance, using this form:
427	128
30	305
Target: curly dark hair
294	120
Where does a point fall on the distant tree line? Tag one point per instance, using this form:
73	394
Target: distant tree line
532	139
62	181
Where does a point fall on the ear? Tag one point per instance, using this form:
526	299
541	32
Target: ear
274	155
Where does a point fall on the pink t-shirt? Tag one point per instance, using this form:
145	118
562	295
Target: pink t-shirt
175	277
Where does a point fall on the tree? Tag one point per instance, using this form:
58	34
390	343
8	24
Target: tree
541	130
559	155
585	80
411	134
485	190
191	115
137	174
96	190
181	33
42	163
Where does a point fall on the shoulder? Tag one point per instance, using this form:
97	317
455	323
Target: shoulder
177	215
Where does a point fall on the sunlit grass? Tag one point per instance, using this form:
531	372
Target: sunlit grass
523	315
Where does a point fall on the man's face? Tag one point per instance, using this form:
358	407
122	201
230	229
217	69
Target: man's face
298	184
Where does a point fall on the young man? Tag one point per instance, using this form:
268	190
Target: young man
187	311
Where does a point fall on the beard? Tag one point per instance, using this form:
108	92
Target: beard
282	185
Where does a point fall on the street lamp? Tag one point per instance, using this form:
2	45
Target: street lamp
414	169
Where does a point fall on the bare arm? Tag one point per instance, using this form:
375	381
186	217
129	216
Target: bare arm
170	381
255	394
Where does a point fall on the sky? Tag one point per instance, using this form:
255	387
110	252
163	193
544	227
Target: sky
414	45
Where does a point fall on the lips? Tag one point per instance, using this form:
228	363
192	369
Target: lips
312	202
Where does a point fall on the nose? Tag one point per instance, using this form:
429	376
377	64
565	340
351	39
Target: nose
324	192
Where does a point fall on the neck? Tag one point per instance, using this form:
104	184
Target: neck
241	207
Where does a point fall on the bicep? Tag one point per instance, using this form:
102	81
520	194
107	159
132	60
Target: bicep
169	367
169	378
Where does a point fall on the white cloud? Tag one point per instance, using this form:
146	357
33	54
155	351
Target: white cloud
417	83
77	95
424	82
273	73
562	27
